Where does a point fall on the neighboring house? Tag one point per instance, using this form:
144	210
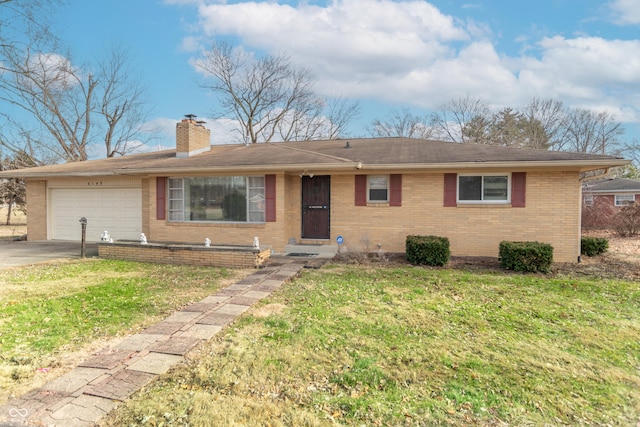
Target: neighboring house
371	192
603	199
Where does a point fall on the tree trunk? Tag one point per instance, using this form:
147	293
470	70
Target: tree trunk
9	207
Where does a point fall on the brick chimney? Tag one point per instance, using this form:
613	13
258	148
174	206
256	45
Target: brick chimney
191	137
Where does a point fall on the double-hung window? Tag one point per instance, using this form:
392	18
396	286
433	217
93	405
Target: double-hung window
220	199
484	188
378	188
588	200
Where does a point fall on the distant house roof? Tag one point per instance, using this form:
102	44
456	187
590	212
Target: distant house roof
331	155
612	185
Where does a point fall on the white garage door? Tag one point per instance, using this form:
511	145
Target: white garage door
117	210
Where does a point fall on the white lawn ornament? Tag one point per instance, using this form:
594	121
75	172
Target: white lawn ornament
256	243
143	239
105	236
207	242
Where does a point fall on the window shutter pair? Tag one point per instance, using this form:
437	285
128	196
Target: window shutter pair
518	189
395	190
269	195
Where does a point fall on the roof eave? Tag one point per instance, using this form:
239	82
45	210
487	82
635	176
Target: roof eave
579	165
242	168
631	191
43	175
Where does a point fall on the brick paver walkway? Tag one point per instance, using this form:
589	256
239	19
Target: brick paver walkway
81	397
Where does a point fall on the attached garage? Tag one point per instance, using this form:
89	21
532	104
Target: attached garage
117	210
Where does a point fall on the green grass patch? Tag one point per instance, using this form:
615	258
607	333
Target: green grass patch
46	310
413	346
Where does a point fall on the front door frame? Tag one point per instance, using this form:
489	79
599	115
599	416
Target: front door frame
316	207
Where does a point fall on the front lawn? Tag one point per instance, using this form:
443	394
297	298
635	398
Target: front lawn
358	345
52	312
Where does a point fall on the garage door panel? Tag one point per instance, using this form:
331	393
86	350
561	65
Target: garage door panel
117	210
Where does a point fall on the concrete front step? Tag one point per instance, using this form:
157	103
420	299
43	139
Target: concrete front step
321	251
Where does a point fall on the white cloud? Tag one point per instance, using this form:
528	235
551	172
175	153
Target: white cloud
353	35
626	12
55	69
410	53
584	70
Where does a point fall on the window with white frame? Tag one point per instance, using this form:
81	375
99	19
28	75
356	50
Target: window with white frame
625	199
378	188
588	200
176	200
490	188
219	198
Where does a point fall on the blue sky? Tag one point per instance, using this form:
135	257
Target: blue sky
387	55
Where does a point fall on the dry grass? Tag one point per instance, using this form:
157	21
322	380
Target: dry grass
18	225
375	345
54	315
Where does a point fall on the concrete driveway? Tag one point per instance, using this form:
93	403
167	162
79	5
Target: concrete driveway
19	253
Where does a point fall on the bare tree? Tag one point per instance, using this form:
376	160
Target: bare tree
26	23
268	96
631	151
585	131
66	102
546	116
338	115
450	119
402	123
122	104
52	92
13	191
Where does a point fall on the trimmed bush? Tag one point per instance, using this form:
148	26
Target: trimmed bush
526	256
428	250
592	246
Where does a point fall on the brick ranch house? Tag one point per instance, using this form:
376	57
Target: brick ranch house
372	192
603	199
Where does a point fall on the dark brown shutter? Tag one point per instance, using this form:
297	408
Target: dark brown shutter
518	189
161	197
270	198
395	187
450	189
361	190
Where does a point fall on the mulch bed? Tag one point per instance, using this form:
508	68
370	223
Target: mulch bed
611	265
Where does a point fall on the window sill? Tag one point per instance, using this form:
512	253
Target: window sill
377	204
484	205
215	224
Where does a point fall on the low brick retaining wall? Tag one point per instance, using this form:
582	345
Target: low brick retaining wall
184	254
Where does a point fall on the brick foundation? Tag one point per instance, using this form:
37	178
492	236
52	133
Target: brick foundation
166	253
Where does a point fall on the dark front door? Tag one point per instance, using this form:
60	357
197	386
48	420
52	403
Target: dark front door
315	207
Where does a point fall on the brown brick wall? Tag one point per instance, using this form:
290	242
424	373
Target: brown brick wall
184	255
273	234
36	210
191	137
600	215
551	215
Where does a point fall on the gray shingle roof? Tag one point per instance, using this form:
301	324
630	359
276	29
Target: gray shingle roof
333	155
612	185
